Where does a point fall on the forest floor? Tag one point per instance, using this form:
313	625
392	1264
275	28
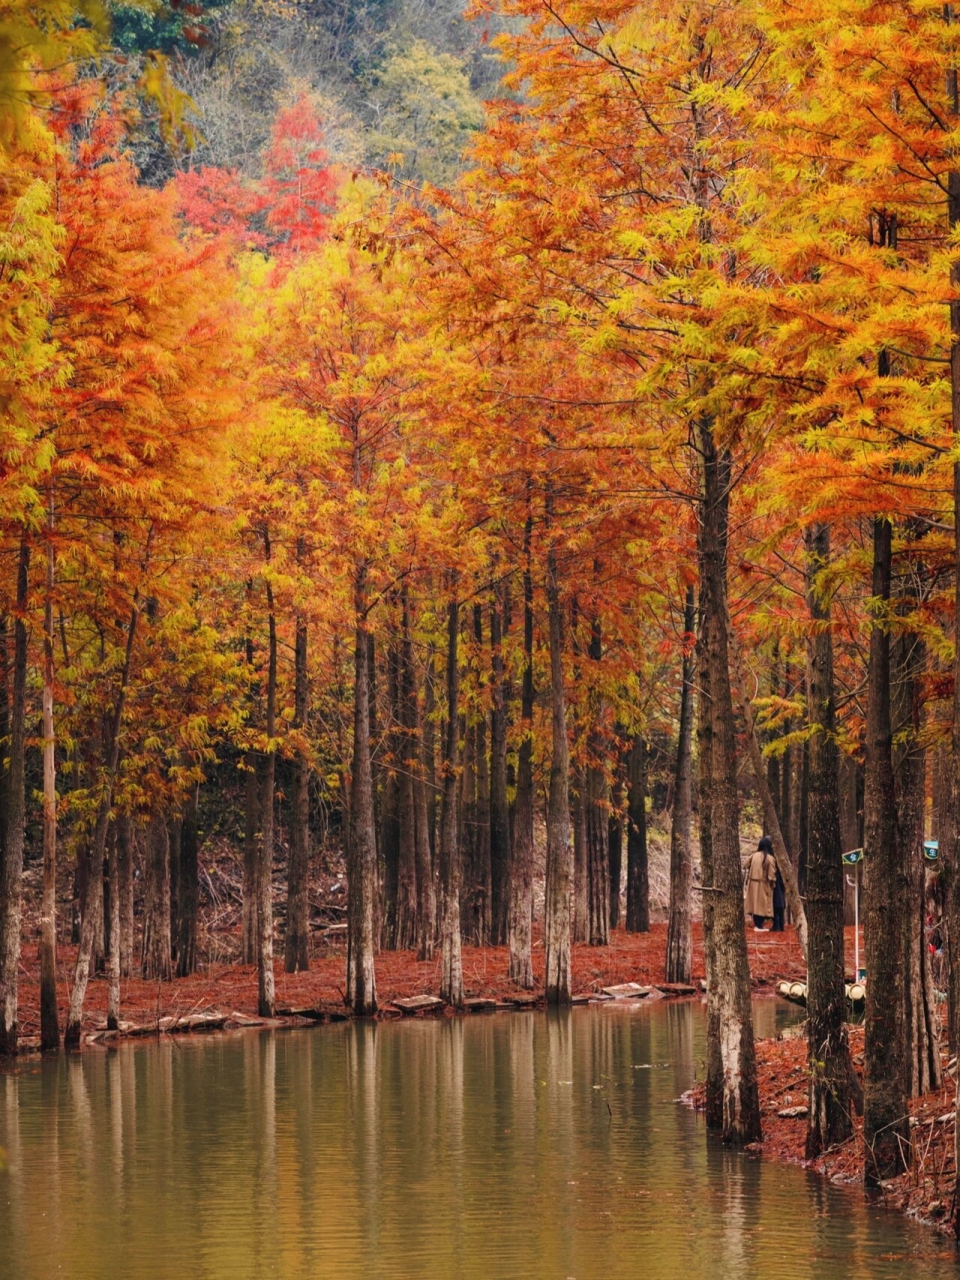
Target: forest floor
925	1192
221	988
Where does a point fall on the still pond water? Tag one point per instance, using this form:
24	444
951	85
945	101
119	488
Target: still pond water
498	1147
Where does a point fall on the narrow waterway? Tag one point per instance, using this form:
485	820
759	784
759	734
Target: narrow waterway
499	1146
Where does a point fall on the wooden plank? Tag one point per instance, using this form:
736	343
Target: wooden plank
627	991
417	1004
478	1004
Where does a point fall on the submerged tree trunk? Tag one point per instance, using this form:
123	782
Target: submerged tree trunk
885	1131
156	960
49	1017
296	947
451	967
362	859
638	874
834	1090
559	861
733	1103
15	818
520	926
679	940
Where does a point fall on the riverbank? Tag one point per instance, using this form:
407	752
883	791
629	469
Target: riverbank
226	994
925	1192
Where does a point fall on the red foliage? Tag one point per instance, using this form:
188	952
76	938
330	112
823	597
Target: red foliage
220	202
299	181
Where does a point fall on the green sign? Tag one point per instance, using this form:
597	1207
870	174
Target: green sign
853	857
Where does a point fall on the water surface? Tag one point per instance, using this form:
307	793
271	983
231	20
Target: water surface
495	1147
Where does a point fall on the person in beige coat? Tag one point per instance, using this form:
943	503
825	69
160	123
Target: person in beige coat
761	878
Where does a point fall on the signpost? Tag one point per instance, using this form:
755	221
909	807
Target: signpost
853	859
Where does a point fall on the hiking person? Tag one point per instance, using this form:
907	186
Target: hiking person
761	877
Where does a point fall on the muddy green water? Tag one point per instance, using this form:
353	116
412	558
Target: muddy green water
497	1146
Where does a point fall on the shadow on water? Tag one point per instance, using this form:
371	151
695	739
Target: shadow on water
521	1145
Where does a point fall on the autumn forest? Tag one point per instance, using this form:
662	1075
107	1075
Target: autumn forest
448	463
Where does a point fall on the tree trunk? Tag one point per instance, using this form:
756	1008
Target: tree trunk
49	1017
469	893
251	829
113	948
597	811
155	961
125	873
12	869
405	937
189	889
362	859
451	967
175	831
559	860
679	940
578	819
834	1090
733	1099
638	875
481	832
426	882
296	951
921	1050
886	1135
266	999
520	925
390	807
499	810
615	842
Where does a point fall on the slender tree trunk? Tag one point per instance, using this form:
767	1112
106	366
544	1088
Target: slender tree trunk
390	808
125	873
615	841
451	967
251	828
296	952
481	832
638	875
49	1017
679	940
499	810
426	883
735	1098
189	889
113	949
559	861
834	1090
94	885
362	861
175	832
520	926
597	811
156	962
921	1050
11	883
470	912
578	820
885	1131
266	998
406	931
